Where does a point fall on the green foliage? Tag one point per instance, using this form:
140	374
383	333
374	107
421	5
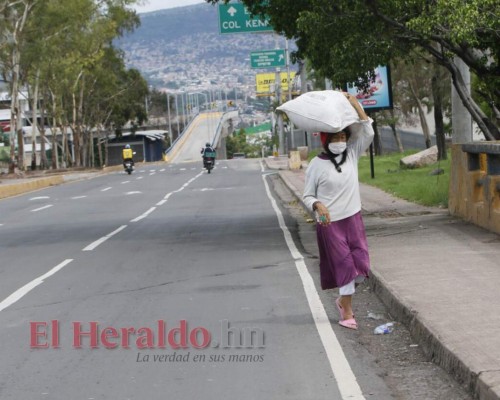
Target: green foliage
346	39
158	103
237	143
5	153
66	52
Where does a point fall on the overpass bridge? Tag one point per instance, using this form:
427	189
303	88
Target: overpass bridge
204	128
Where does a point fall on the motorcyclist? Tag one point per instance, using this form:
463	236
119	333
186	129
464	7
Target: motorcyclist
127	155
208	149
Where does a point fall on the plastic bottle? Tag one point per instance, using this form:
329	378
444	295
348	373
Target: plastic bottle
384	329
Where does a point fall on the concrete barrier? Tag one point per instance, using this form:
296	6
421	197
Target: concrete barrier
14	189
294	162
474	193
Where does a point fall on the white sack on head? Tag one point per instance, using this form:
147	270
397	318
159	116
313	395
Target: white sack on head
320	111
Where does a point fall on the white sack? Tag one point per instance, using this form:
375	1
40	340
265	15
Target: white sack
320	111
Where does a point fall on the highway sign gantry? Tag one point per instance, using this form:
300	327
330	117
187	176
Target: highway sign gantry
268	58
235	18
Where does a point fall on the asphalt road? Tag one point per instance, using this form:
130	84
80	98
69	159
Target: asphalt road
167	244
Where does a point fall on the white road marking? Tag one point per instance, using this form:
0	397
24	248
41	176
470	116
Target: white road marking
42	208
40	198
152	173
206	189
224	167
139	177
162	170
152	170
100	241
78	197
142	171
19	293
161	202
124	182
182	169
130	193
106	189
143	215
344	376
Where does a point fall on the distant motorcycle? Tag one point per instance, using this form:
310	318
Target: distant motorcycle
128	167
209	160
209	164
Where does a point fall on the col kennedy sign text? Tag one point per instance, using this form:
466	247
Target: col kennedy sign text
235	18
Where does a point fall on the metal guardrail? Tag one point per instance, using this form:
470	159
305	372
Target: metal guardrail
167	152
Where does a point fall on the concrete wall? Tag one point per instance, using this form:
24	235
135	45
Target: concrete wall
475	184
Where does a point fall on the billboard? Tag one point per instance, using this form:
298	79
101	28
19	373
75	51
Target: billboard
379	96
265	81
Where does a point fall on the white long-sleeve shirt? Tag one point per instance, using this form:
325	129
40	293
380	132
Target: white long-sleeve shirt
339	191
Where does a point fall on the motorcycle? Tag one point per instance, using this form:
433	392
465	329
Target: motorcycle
209	164
209	160
128	167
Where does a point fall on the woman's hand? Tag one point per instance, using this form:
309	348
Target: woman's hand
355	103
323	213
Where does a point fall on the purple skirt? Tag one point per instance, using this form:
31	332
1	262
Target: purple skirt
343	251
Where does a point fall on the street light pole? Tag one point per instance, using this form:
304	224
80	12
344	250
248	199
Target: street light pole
183	111
169	121
177	112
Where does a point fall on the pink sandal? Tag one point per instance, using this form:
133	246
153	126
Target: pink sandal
349	323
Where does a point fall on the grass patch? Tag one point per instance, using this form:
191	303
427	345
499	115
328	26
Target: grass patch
415	185
313	154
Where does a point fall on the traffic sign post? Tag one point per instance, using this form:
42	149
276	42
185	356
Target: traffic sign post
235	18
267	59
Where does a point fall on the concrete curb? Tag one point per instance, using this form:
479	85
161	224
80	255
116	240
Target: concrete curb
32	184
483	385
29	186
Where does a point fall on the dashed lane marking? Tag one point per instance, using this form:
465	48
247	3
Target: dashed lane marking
100	241
20	293
42	208
40	198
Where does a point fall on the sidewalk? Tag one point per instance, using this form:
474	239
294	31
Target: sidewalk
439	276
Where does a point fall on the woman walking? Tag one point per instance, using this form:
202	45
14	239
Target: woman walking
332	191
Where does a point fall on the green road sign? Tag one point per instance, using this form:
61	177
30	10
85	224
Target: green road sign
267	59
235	18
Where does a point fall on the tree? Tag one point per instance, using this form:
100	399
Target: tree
14	15
333	36
56	45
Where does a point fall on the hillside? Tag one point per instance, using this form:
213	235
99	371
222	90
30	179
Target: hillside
182	47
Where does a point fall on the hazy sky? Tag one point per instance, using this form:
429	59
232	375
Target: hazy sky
152	5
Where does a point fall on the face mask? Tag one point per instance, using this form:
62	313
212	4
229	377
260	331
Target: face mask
337	148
